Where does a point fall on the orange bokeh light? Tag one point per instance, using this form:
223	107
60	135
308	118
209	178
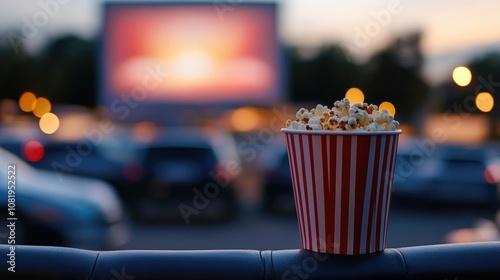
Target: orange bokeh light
27	102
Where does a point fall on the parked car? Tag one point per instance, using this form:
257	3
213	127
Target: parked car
451	173
82	158
188	175
75	212
277	193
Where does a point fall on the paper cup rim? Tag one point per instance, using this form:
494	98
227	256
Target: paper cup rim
330	132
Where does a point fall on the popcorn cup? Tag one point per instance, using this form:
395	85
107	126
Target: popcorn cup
342	185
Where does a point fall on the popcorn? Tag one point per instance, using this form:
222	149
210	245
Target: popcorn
314	127
320	110
313	120
300	113
343	117
392	125
375	127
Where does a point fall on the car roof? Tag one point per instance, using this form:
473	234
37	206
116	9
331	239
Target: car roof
466	152
220	141
168	136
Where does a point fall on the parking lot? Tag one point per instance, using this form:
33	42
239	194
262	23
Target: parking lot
409	225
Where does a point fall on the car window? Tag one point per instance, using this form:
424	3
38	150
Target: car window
200	156
465	169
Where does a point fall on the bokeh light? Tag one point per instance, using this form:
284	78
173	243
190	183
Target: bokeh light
133	170
462	76
492	173
49	123
484	102
245	119
33	151
477	126
72	124
42	107
387	106
145	132
27	102
355	95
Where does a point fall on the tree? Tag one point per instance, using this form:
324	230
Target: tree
394	75
322	78
70	71
18	72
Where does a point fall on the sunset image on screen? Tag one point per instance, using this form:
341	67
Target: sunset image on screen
197	55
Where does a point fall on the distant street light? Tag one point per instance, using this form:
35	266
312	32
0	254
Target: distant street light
484	102
387	106
462	76
355	95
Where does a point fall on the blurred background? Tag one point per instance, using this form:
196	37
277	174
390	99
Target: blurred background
156	124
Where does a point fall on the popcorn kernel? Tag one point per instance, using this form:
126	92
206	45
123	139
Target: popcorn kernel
342	116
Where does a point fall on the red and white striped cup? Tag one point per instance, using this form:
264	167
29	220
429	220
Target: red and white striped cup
342	185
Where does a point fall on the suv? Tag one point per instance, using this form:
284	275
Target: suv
452	173
188	175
